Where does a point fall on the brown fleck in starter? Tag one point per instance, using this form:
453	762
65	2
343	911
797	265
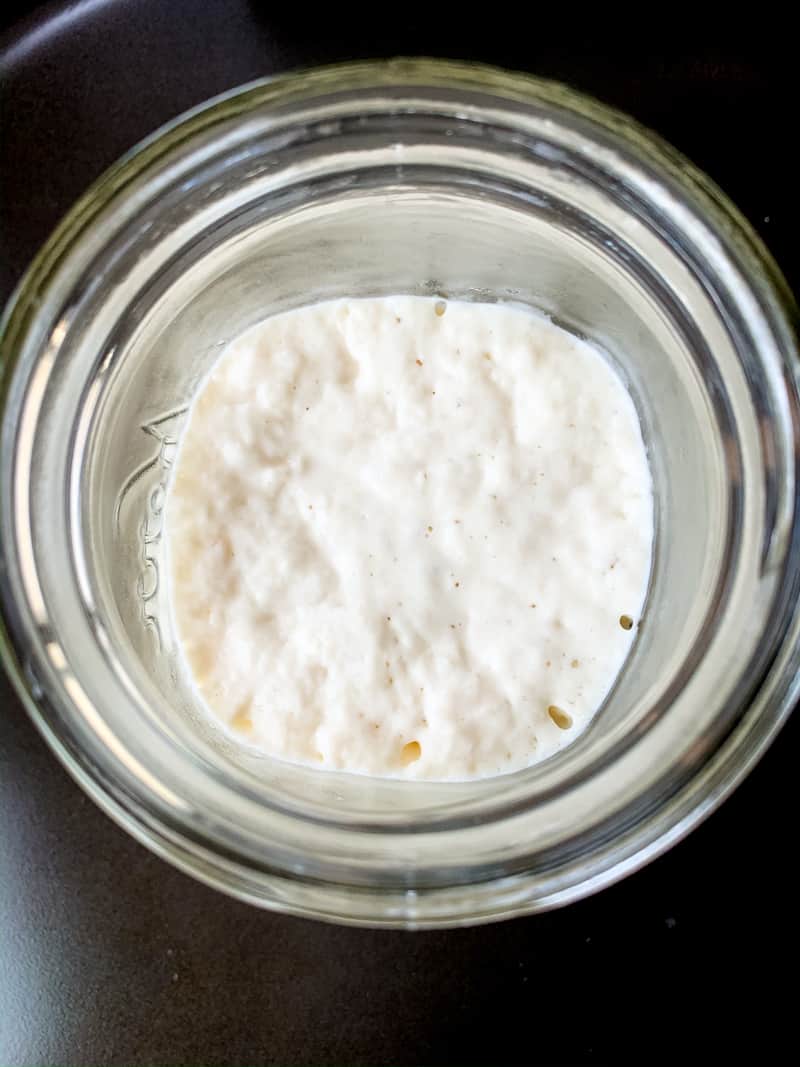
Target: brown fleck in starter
561	718
410	753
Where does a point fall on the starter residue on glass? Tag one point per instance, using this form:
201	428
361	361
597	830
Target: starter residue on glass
409	537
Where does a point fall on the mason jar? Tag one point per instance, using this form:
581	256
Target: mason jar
418	177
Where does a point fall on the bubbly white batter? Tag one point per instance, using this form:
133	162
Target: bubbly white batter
408	537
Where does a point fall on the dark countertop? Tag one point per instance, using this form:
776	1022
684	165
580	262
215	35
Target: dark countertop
109	956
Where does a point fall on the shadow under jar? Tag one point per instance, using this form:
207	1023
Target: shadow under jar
406	177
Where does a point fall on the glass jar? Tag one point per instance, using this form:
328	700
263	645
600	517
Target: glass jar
418	177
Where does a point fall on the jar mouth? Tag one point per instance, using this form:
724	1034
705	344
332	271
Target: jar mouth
241	189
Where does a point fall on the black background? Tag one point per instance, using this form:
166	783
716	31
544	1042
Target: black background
107	955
